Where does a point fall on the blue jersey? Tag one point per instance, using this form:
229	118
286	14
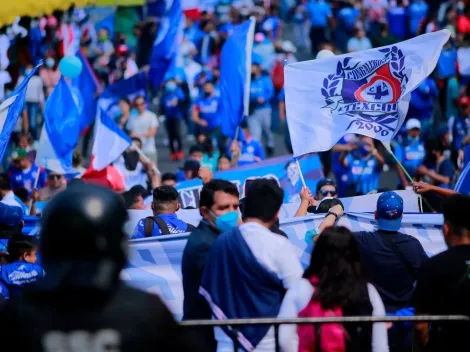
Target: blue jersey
411	156
248	152
416	12
397	22
208	111
318	12
363	173
170	103
174	224
261	87
446	63
16	275
347	17
459	131
26	178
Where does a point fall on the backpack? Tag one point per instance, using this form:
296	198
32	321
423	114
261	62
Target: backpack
277	75
332	336
149	224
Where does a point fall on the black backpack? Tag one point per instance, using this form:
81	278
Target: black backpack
149	224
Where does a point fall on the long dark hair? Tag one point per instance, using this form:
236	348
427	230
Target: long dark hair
336	262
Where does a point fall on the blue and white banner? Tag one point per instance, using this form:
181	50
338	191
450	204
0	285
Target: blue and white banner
365	92
283	169
155	263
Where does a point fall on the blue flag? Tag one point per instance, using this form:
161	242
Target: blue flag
125	88
84	88
235	77
61	131
10	111
166	44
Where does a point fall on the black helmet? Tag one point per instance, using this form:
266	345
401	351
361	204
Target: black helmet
82	240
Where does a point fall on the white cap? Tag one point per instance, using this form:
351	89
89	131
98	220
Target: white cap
413	123
323	54
288	47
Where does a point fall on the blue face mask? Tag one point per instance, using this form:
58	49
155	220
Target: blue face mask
227	221
363	151
413	139
170	86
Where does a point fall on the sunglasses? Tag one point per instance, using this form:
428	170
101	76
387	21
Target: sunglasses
324	193
51	177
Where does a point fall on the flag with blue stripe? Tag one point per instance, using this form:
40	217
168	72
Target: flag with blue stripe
128	88
61	130
110	141
165	47
10	111
463	183
84	88
235	77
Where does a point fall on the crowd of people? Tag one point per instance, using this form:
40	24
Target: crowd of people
238	262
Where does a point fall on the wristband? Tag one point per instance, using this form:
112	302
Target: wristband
334	214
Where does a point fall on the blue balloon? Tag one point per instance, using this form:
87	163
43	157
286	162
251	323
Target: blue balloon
70	66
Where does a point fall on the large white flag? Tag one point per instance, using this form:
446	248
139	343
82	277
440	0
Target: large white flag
367	92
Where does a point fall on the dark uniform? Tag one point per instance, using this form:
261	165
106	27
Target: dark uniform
81	305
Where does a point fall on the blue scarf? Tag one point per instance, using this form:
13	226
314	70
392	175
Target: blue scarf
237	286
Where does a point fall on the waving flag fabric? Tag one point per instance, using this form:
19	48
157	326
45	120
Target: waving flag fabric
165	47
110	142
366	92
10	111
235	77
61	130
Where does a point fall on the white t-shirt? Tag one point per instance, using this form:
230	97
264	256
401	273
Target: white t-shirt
277	255
142	124
297	298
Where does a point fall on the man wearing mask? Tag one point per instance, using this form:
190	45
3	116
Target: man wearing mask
261	93
363	167
250	268
218	206
206	116
251	150
411	154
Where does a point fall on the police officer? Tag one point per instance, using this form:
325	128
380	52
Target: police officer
81	304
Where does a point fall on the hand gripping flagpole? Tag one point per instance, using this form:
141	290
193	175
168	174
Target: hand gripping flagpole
296	158
146	159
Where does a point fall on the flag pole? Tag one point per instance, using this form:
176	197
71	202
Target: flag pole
36	180
389	150
146	159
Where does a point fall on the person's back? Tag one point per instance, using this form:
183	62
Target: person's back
391	258
88	307
443	286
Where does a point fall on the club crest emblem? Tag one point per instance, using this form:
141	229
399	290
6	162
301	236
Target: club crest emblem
369	91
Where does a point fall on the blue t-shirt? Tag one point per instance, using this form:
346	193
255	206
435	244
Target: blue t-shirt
446	168
170	103
346	18
396	17
18	274
416	12
271	24
248	152
422	100
174	224
364	173
318	12
26	178
282	95
446	63
411	156
208	111
459	131
261	87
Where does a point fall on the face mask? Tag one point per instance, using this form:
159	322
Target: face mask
207	94
27	71
50	62
170	86
103	38
413	139
131	159
363	151
227	221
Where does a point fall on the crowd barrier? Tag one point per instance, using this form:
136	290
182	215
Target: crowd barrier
235	324
155	263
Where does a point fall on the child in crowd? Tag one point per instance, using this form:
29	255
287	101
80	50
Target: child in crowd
22	268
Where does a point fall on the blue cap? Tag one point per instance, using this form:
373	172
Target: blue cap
10	215
256	59
389	211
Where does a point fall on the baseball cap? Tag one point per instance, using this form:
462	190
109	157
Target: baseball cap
191	165
325	182
464	101
389	211
10	215
19	154
413	124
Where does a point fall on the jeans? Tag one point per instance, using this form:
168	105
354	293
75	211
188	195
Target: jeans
173	128
33	113
260	123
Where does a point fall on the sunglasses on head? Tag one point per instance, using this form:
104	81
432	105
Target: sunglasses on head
324	193
51	177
